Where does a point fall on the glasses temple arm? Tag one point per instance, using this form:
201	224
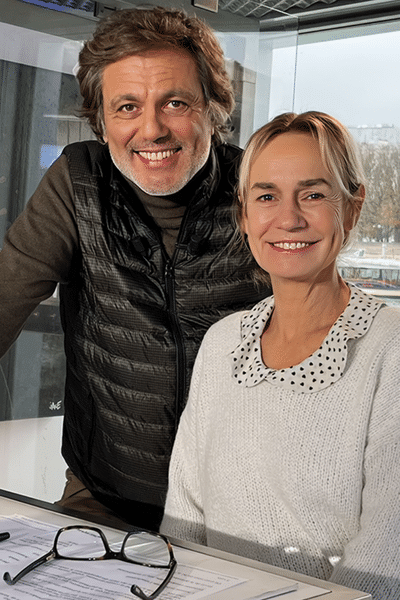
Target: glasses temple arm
137	591
11	580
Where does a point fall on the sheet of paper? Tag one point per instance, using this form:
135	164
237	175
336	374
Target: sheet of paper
86	580
109	579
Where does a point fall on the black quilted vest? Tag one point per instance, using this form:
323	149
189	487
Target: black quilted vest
133	320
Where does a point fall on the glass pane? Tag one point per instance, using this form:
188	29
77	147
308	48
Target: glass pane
353	74
241	60
39	98
277	60
262	66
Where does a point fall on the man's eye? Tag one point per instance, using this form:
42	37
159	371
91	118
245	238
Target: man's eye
176	107
127	108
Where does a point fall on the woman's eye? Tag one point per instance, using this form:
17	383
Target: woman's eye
315	196
266	198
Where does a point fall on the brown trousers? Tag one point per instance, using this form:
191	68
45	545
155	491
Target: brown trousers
78	498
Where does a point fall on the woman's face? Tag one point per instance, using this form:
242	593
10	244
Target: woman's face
294	218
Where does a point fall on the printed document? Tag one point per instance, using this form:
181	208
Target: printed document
107	579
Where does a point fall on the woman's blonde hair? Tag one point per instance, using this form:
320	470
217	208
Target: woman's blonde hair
339	154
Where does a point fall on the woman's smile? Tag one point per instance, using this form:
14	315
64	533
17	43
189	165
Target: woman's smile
291	245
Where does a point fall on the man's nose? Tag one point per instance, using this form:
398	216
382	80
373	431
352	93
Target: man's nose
152	124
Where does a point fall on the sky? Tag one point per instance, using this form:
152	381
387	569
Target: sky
356	79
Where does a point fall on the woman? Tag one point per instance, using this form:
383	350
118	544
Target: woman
289	449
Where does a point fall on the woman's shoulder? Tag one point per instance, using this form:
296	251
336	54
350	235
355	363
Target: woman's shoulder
371	313
389	318
227	328
383	337
237	323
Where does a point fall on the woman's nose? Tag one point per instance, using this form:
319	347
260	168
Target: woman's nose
290	216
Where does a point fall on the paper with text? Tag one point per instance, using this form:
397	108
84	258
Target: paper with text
109	579
87	580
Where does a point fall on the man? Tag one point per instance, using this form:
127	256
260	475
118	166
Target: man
135	229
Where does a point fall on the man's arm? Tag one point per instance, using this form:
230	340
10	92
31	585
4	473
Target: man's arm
38	251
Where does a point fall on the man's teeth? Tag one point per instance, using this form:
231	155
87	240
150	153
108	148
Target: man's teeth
156	155
291	245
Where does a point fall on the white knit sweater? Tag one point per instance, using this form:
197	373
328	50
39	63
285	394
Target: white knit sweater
305	481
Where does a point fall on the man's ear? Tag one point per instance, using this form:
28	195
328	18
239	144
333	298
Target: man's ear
354	209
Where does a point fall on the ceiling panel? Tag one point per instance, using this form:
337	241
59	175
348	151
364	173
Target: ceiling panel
234	15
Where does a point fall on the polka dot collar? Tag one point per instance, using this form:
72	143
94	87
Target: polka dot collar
319	370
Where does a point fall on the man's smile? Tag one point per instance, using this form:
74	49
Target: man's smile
156	156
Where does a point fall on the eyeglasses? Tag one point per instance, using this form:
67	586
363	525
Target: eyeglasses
89	543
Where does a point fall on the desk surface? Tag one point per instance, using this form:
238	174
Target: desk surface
186	553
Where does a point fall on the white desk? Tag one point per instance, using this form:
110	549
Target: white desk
186	553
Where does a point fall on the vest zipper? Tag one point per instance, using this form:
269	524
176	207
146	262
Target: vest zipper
178	338
177	333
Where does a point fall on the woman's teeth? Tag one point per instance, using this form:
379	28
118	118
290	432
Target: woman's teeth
291	245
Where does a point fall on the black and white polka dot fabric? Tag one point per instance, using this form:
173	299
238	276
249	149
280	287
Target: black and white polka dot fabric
319	370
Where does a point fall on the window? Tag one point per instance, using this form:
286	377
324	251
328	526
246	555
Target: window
39	98
350	72
353	73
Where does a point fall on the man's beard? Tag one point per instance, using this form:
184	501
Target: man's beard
154	189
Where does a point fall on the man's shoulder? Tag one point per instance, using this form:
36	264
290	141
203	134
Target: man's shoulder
228	152
227	165
90	157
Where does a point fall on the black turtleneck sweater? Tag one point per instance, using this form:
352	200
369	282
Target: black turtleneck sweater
167	211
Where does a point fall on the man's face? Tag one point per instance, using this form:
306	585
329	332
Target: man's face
155	119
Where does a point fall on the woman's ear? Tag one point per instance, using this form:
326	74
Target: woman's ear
242	216
243	226
354	209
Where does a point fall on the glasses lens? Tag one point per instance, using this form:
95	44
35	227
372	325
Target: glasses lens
80	543
147	548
